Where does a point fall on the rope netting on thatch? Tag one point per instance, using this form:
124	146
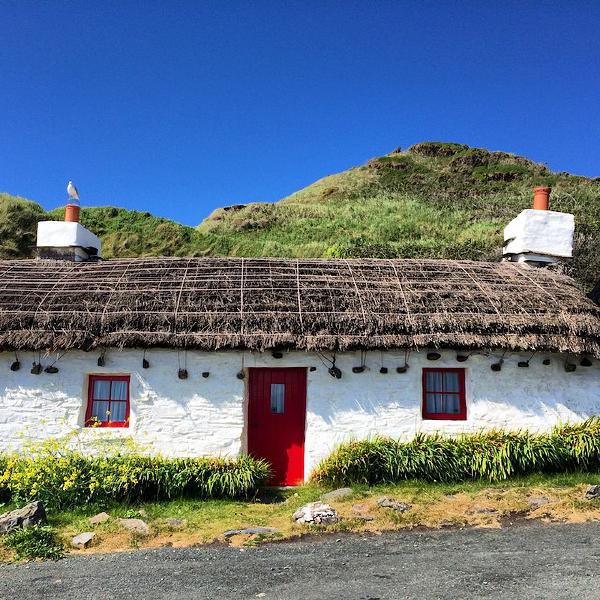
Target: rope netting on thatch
211	303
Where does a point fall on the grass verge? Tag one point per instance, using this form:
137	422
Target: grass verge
493	455
549	498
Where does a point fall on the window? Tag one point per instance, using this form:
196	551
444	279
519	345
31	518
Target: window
108	401
277	398
444	394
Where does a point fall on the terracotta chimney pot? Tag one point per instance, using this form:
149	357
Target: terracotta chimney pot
541	198
72	213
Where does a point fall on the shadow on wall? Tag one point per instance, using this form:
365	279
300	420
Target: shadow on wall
194	415
371	403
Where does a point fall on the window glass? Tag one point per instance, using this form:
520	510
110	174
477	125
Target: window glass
452	404
100	410
102	389
434	381
277	398
119	390
435	403
108	404
451	381
118	412
444	394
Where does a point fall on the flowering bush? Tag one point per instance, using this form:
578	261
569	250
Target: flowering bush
61	476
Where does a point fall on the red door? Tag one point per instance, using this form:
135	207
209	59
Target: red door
276	417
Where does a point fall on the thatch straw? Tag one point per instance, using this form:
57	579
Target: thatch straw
213	303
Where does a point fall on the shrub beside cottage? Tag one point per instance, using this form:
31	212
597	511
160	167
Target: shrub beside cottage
285	359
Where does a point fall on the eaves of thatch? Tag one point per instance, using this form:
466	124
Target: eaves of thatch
326	305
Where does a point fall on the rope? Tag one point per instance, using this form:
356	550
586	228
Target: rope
362	308
112	292
10	268
179	297
408	313
56	283
452	300
485	293
521	271
242	298
299	299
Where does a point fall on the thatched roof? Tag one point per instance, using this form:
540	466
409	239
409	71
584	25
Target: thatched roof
212	303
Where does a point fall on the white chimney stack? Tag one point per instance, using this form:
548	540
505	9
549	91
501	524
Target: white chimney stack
68	239
539	236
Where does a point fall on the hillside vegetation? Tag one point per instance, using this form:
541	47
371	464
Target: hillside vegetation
438	200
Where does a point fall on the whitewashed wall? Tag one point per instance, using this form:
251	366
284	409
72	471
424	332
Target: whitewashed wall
201	416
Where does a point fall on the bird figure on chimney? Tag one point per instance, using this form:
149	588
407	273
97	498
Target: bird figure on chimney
72	191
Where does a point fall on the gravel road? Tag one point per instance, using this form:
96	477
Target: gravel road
522	561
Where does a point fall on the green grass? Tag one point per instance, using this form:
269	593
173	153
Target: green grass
437	200
60	477
18	226
491	455
218	515
399	225
39	541
433	504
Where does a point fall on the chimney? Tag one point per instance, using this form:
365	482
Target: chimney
541	198
72	213
538	236
68	239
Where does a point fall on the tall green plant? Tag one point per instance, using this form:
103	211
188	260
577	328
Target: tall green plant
61	476
494	455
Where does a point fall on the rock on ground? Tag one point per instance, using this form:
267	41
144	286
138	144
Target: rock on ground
29	515
338	494
386	502
175	522
135	525
482	510
537	501
593	492
83	540
249	531
361	512
316	513
99	518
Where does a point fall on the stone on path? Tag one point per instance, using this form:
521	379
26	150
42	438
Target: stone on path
386	502
316	513
175	522
99	518
593	492
537	501
361	512
482	510
83	540
338	494
135	525
249	531
29	515
363	517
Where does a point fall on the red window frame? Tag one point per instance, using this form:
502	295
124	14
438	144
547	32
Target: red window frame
91	421
459	416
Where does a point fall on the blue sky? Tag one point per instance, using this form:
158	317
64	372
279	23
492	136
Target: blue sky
180	107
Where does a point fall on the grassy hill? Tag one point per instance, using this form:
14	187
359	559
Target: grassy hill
433	200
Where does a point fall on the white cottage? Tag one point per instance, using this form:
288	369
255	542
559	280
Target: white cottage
287	358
